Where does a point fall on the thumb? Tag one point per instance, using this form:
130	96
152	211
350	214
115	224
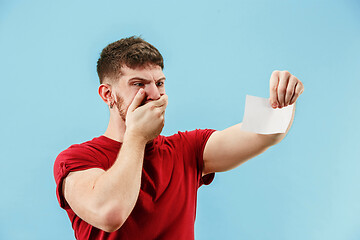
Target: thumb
137	100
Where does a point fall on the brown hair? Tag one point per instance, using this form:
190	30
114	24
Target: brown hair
133	52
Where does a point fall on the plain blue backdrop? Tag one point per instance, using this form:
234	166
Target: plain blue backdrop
216	52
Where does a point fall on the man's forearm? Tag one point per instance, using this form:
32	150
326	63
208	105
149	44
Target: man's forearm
118	188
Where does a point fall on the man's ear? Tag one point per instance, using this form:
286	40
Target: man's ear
105	92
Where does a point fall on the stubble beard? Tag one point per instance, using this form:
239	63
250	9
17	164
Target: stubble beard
120	106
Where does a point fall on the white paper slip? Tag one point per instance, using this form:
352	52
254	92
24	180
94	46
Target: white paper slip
260	117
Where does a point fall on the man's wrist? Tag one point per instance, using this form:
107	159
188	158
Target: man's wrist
133	136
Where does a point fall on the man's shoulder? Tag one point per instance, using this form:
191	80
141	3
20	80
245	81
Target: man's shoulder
80	156
84	150
78	147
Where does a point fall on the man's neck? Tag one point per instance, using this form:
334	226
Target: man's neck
116	129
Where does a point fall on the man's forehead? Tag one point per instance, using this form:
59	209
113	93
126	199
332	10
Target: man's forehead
152	72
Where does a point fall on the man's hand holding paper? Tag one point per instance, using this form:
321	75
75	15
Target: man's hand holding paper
270	116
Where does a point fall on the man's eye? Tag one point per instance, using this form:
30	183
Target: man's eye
139	84
159	84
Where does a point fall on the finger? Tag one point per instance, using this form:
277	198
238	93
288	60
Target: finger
274	82
162	108
283	82
299	89
161	101
166	100
290	90
136	102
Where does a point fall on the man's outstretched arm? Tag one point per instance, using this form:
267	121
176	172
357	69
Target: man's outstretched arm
231	147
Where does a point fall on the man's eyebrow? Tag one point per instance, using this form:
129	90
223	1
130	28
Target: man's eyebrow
146	80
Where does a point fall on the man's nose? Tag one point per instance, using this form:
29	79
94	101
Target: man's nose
152	92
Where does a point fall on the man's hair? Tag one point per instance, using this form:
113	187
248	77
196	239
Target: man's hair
133	52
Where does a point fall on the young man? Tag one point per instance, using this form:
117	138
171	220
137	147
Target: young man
133	183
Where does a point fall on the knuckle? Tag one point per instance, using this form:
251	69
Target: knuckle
293	78
275	72
152	106
158	112
285	72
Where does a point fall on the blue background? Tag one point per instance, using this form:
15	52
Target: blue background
216	52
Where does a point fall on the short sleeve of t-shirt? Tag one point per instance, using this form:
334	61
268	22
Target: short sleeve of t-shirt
76	158
196	141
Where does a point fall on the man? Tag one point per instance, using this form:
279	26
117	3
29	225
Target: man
133	183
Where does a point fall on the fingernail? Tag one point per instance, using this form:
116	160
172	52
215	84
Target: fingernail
274	105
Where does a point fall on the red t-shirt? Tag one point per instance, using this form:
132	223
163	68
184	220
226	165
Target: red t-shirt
171	176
